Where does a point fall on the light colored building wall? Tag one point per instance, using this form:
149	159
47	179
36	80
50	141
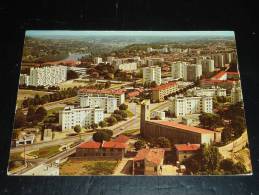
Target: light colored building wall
126	66
152	73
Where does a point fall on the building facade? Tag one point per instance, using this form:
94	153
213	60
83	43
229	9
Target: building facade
212	91
236	95
177	69
119	94
192	72
109	104
71	116
207	66
182	106
152	73
126	66
159	92
47	76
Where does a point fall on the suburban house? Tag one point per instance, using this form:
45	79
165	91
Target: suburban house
184	151
148	161
108	150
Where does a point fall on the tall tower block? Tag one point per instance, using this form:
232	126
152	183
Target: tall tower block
145	115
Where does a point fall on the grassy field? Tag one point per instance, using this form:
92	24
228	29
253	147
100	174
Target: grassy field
26	93
130	114
85	167
45	152
16	156
131	132
57	109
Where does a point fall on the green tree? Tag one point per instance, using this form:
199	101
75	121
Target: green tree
139	144
210	121
238	125
153	84
40	114
77	129
103	124
94	126
118	117
123	107
107	84
210	158
19	120
192	165
227	165
72	75
226	134
30	114
163	142
112	120
239	168
101	136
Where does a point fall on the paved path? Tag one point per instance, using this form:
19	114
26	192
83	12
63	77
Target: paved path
120	166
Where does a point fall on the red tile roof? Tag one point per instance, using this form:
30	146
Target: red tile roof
187	147
103	91
208	81
183	127
133	94
152	155
90	144
66	62
114	144
218	75
121	139
164	86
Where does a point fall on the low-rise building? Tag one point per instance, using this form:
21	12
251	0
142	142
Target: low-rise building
148	161
119	94
159	92
108	103
110	150
182	106
213	91
159	114
98	60
83	116
126	66
185	151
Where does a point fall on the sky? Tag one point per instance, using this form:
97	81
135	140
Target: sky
41	33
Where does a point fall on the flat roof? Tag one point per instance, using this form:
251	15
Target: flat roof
181	126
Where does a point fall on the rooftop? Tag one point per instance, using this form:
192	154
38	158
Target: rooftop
165	86
90	144
152	155
187	147
103	91
114	144
218	75
181	126
121	139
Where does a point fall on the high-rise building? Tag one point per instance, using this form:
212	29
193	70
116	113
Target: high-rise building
152	73
182	106
98	60
71	116
48	75
109	104
218	60
24	79
207	66
177	69
192	72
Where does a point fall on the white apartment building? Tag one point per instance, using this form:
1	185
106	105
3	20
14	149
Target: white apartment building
24	79
98	60
152	73
78	70
126	66
109	104
159	114
207	66
213	91
177	69
182	106
236	95
218	60
71	116
119	94
192	72
48	75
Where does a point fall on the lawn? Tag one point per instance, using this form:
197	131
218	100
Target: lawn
85	167
131	132
129	113
26	93
46	151
53	110
16	156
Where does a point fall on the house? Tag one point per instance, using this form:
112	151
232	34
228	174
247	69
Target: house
148	161
110	150
184	151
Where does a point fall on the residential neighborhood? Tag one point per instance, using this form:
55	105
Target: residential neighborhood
130	103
